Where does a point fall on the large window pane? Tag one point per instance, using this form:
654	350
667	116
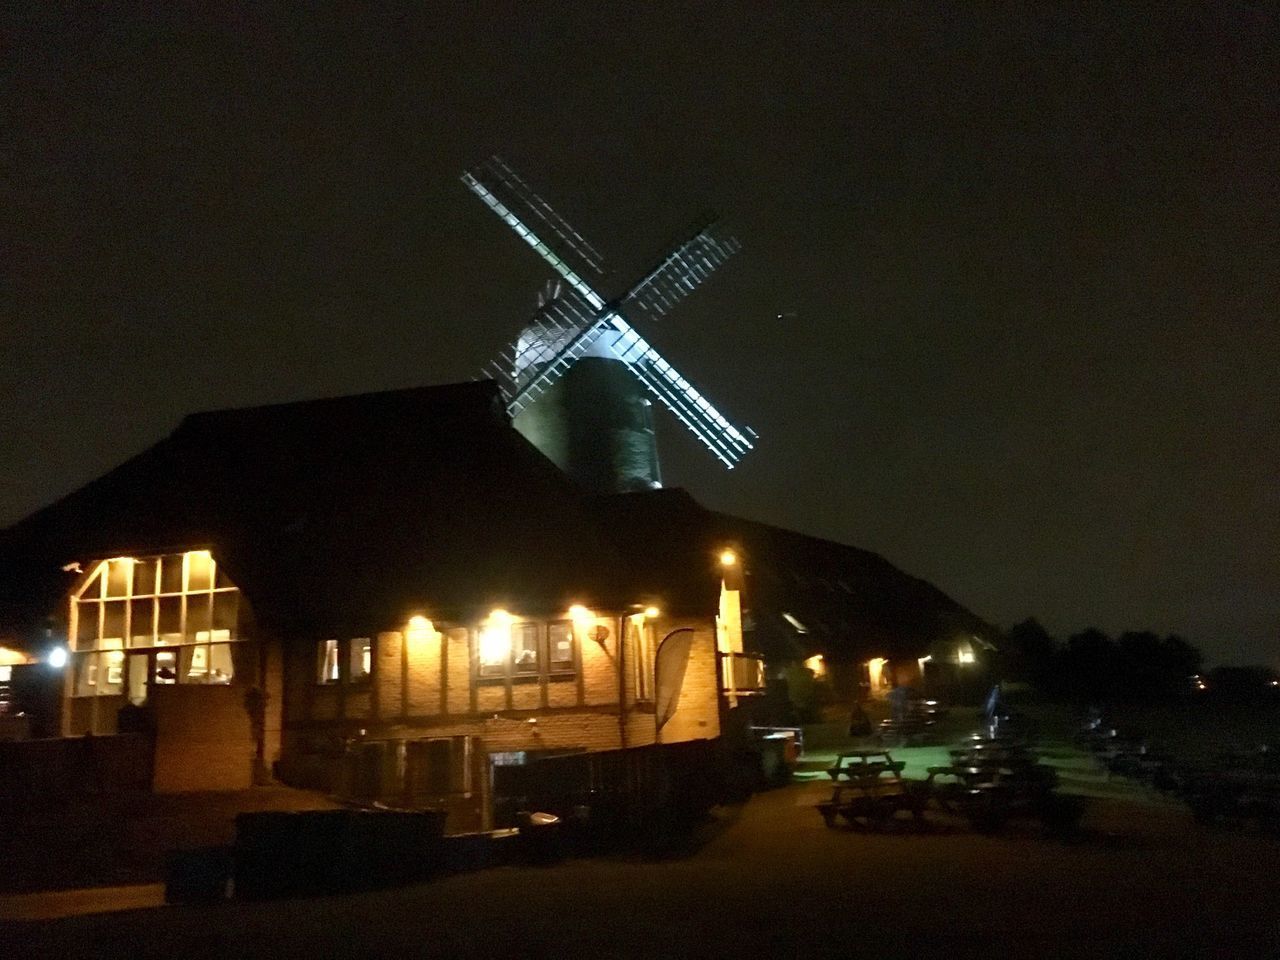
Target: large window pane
141	628
167	667
138	668
495	648
560	646
118	578
87	632
171	573
113	620
221	667
524	648
86	677
170	616
144	578
199	570
194	663
93	589
198	616
111	667
327	661
360	659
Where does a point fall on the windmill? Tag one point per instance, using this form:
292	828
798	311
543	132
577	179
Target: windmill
575	380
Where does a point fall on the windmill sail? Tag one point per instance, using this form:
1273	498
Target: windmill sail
680	272
580	321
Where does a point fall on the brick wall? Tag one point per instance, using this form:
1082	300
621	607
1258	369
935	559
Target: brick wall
204	739
548	713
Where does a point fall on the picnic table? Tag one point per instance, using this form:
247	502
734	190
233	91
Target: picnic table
988	796
869	790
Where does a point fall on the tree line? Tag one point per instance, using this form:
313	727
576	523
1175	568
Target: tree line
1090	665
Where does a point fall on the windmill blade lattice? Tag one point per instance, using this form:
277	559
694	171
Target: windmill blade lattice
681	272
580	320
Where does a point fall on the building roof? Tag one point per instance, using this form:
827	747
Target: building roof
348	512
346	515
806	595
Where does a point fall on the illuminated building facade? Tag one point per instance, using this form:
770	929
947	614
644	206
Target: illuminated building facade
389	596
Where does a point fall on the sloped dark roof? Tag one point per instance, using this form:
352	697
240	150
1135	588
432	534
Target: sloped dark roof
852	603
354	510
352	513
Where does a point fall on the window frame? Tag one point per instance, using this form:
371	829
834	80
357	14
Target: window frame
343	648
150	607
546	669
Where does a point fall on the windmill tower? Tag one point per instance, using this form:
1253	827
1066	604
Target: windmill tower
579	379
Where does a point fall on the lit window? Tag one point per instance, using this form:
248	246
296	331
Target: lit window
641	635
495	646
524	648
131	610
560	644
166	667
359	659
327	661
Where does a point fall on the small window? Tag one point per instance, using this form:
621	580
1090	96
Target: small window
86	665
221	666
359	659
327	661
495	649
198	617
111	667
524	649
171	573
195	662
144	578
560	646
199	571
141	622
166	667
118	572
641	635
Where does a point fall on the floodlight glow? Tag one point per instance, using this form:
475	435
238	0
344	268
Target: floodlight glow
57	658
728	558
495	638
652	612
579	613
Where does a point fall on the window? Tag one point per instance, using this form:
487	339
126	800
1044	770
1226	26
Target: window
359	659
495	647
164	620
526	648
344	660
327	662
560	646
641	635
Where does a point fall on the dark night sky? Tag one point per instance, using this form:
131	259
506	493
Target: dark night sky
1032	260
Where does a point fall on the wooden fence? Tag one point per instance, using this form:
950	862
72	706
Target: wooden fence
619	789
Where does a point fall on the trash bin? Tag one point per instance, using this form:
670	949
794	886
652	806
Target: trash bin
539	836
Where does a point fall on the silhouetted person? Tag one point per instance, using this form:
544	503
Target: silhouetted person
898	702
